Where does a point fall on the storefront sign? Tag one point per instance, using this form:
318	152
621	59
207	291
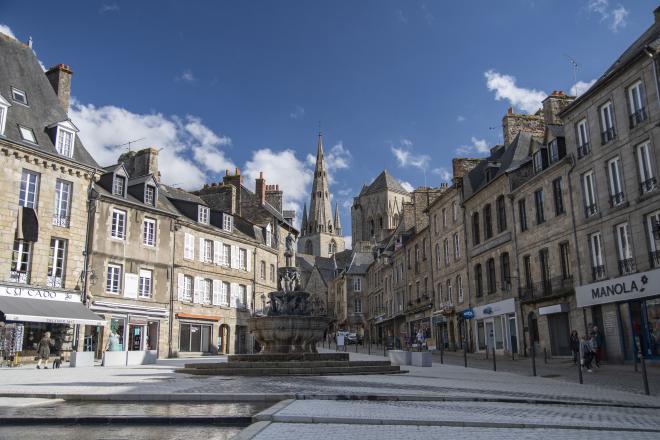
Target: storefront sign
494	309
556	308
626	288
468	314
36	293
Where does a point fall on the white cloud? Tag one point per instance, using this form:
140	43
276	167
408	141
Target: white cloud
478	146
108	7
428	16
504	86
615	16
581	86
347	203
444	174
348	240
407	186
460	118
298	113
4	29
188	148
401	17
406	158
345	192
186	76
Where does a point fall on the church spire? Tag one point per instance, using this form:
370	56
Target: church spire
319	207
337	220
303	224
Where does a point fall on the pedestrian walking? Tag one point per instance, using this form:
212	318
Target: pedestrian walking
586	353
574	344
597	344
43	350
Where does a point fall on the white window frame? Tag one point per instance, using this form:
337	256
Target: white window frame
21	261
27	134
242	259
269	235
62	209
203	214
65	141
118	219
188	286
454	208
228	224
357	305
28	195
636	97
624	246
607	116
4	109
208	251
589	188
145	283
119	185
450	294
459	283
652	220
207	291
582	132
149	232
224	293
357	284
457	246
56	262
614	177
150	195
113	279
18	92
445	246
645	165
226	255
596	247
188	246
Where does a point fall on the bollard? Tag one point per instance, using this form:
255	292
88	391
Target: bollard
513	354
356	344
442	351
487	350
384	354
494	364
465	353
533	359
545	355
369	346
579	364
644	376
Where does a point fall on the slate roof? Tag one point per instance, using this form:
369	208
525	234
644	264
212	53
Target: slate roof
20	69
382	182
360	263
179	194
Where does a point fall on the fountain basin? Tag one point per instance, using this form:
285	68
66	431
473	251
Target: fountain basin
288	333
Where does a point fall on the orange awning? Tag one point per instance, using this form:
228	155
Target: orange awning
194	316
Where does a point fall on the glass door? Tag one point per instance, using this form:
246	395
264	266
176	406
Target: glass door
653	326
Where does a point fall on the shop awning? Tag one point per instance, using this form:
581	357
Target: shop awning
56	312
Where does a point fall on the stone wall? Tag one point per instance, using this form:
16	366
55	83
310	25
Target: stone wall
512	124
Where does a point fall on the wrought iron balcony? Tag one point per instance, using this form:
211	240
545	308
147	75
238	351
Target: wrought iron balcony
607	135
553	286
591	209
61	221
598	272
638	117
583	150
617	199
19	276
627	266
654	258
648	185
54	281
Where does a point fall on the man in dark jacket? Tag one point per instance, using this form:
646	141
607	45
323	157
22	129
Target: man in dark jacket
43	350
597	344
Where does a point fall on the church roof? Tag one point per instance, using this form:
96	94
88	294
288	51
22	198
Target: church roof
384	181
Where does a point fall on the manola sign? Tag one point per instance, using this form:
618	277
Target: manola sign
639	285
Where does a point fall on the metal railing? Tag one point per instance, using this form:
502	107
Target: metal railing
591	209
61	221
654	258
617	199
648	185
638	117
19	277
626	266
54	281
607	135
552	286
598	272
583	150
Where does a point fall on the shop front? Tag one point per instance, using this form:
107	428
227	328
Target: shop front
420	322
26	313
197	335
496	325
626	311
133	336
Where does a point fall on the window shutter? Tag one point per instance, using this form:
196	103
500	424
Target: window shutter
248	300
201	249
217	252
248	259
199	290
234	257
179	285
233	299
186	246
217	286
130	285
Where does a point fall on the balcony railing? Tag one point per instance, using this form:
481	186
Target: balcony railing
557	285
591	209
638	117
19	277
583	150
61	221
617	199
607	135
626	266
648	185
654	258
54	281
598	272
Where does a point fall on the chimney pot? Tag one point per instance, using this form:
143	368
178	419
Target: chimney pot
238	171
59	77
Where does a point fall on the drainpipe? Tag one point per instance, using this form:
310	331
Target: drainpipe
651	55
175	228
468	327
91	209
521	321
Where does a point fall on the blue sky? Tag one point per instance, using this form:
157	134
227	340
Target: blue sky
398	85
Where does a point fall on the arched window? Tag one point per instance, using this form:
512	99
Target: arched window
380	222
396	220
371	225
475	229
309	247
478	280
332	247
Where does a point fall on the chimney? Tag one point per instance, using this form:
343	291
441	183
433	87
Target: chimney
656	14
60	78
260	187
462	165
554	104
513	123
274	197
141	163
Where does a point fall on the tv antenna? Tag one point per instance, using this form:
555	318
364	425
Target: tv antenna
575	66
128	144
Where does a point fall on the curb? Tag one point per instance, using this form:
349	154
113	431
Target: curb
237	421
251	431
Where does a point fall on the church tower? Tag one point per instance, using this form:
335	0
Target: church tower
320	232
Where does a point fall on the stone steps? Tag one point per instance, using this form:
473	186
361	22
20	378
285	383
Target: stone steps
286	357
294	370
289	364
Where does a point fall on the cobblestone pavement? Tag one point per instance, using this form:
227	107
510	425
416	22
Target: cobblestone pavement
117	432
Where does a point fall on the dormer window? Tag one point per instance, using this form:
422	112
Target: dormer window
203	214
64	142
19	96
227	222
119	186
4	107
27	134
269	236
150	195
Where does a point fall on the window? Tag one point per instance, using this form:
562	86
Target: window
624	248
444	218
478	281
56	263
62	203
646	179
228	224
113	279
475	229
332	247
608	132
269	236
224	293
459	285
119	185
19	96
538	161
64	142
538	200
589	193
144	283
187	288
149	232
435	223
527	266
636	100
189	246
450	295
490	275
272	272
208	251
653	230
118	224
207	291
553	149
29	192
505	271
262	270
20	262
522	213
597	258
457	247
242	296
203	214
424	248
565	261
242	259
501	214
357	284
454	210
150	195
583	139
557	196
446	249
3	116
27	134
226	255
544	260
488	223
358	305
616	186
437	255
